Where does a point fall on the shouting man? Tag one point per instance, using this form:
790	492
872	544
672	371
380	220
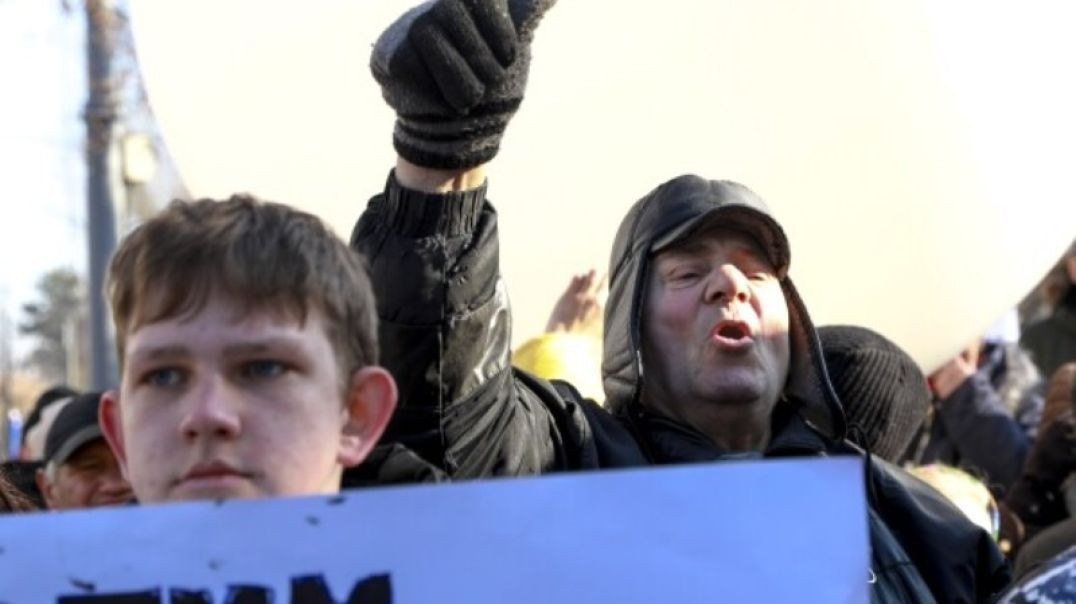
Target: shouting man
709	353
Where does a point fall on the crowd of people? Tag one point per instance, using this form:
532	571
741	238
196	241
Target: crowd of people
261	356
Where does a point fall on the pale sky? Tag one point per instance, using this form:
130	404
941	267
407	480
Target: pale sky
42	176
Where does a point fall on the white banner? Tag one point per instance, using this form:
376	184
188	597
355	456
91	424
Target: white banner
918	153
771	531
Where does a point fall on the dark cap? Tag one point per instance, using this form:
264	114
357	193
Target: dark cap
75	426
728	212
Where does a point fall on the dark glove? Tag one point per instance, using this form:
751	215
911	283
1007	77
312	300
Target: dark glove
455	71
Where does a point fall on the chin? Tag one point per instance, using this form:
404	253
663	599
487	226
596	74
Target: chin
217	491
734	393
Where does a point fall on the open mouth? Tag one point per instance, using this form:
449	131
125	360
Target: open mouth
732	331
731	334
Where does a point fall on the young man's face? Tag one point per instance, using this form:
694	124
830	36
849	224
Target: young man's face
90	477
715	326
219	405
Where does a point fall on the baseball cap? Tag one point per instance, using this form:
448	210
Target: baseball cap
75	426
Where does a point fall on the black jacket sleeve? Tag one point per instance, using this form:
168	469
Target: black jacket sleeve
445	335
958	560
985	435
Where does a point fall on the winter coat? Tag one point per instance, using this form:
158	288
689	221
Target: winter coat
986	426
972	430
445	336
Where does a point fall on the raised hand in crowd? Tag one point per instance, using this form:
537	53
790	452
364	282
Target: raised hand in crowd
579	308
946	379
571	347
970	426
455	71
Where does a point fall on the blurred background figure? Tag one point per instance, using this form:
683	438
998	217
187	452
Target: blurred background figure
1052	581
1012	372
884	393
571	347
1051	340
21	473
11	498
986	410
80	470
1044	497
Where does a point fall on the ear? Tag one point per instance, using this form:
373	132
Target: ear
45	487
111	422
371	399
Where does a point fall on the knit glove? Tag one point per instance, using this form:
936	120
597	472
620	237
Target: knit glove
454	71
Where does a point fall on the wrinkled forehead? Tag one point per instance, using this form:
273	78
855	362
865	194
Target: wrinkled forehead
728	227
714	235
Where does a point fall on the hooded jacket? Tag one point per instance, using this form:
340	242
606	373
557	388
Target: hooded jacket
667	215
445	332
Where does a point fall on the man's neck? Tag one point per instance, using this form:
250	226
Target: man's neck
743	426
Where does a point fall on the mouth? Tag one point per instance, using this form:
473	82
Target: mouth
731	335
212	473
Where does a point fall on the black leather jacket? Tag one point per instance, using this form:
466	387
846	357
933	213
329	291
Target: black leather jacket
445	333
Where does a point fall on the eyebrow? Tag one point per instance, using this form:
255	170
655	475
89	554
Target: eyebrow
156	353
687	248
261	346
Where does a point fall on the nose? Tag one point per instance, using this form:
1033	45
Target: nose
726	283
212	413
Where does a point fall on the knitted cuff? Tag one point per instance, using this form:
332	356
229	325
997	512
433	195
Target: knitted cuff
416	214
434	142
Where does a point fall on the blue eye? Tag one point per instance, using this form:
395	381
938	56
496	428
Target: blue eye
263	369
166	377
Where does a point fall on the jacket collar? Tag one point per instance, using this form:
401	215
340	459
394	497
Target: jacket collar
668	441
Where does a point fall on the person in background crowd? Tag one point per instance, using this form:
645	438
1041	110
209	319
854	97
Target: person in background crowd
884	393
1052	580
1013	373
570	348
37	424
1059	389
1052	340
1040	498
11	499
80	471
987	405
22	476
22	473
246	335
1045	546
709	353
